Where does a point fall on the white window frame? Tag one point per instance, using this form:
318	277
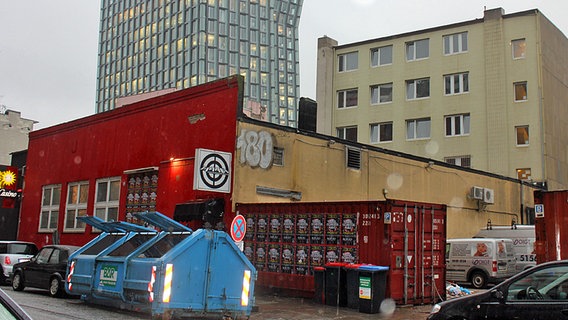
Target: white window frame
517	50
108	202
455	43
376	56
459	161
413	48
341	132
518	134
459	125
50	208
412	86
342	98
526	88
76	208
457	83
348	61
376	130
413	127
377	97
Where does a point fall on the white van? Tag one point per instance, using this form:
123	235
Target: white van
523	237
479	261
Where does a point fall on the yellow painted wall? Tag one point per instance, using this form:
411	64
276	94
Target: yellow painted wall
315	166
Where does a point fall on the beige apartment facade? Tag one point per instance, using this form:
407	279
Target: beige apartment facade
489	94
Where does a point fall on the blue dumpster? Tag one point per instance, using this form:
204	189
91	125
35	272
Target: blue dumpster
171	270
372	287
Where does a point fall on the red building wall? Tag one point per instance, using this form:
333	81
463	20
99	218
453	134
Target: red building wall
145	134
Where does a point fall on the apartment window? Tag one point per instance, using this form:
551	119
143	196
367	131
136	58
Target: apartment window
462	161
419	88
524	174
49	207
381	93
77	195
347	98
418	129
348	61
457	125
456	83
347	133
381	56
416	50
381	132
520	91
455	43
519	48
522	135
106	198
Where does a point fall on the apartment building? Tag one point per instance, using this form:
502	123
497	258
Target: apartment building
159	45
489	94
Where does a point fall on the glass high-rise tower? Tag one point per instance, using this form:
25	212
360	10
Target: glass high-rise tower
152	45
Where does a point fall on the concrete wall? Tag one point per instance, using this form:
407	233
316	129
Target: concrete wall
315	168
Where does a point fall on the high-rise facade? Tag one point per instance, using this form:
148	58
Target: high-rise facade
490	94
148	46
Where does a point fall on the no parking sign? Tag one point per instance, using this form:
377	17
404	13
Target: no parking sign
238	228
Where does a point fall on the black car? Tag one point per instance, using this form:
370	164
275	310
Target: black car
540	292
46	270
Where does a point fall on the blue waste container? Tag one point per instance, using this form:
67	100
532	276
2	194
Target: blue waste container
372	287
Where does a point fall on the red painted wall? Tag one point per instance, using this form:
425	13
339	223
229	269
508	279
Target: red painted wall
144	134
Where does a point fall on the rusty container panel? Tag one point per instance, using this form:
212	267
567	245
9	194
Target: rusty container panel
286	241
551	225
417	236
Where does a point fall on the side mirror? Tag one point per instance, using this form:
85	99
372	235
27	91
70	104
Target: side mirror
498	294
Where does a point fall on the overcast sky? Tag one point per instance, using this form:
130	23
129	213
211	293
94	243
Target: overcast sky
48	49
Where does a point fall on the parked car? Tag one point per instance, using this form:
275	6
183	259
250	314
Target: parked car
9	309
46	270
540	292
12	252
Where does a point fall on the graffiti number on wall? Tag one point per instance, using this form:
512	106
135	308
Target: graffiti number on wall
256	148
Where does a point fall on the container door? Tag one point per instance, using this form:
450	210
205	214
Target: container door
418	252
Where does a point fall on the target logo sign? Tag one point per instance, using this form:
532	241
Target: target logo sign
212	171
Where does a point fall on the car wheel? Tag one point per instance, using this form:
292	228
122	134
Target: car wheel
18	282
478	280
55	289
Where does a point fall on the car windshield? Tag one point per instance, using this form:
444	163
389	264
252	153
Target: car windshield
545	284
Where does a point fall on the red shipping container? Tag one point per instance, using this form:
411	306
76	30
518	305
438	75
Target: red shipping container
551	219
408	237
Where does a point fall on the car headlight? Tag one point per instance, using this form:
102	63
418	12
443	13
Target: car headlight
436	308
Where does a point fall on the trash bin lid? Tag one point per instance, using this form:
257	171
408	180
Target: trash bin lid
319	269
336	264
353	265
373	268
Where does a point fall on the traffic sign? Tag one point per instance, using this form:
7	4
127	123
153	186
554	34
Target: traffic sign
539	210
238	228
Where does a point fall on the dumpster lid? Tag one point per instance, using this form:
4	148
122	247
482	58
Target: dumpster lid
161	221
373	268
113	226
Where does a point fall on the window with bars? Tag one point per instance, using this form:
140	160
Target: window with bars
463	161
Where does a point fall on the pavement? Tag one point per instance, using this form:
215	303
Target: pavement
273	307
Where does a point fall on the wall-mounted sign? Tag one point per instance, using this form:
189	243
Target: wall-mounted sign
212	171
8	185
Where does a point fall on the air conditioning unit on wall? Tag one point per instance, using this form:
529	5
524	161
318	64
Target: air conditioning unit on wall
488	195
476	193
